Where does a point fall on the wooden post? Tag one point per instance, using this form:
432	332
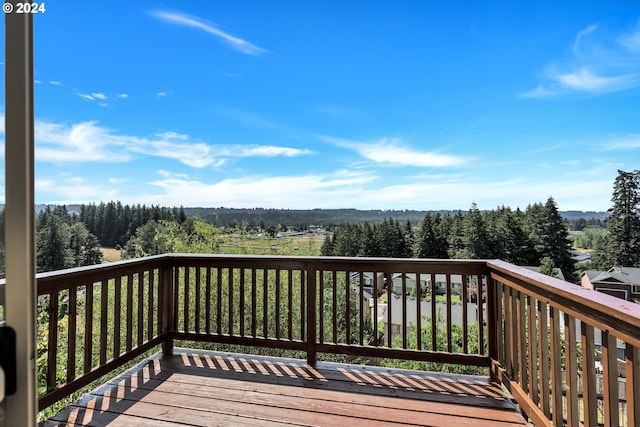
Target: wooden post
166	306
492	320
19	212
311	314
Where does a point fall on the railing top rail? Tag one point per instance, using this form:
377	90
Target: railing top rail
51	280
602	311
379	264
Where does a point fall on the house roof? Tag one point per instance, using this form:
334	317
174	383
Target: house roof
624	275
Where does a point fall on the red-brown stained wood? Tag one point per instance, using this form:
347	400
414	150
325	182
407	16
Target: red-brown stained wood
206	388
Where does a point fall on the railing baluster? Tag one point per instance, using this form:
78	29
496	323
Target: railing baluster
588	375
88	328
404	310
434	315
374	321
632	374
104	327
277	313
522	343
389	331
508	333
265	303
241	309
151	300
207	297
361	300
117	310
532	350
347	290
140	308
334	301
72	337
571	371
187	299
219	302
253	302
543	357
176	296
418	312
556	369
52	341
303	308
480	309
321	308
449	322
290	304
230	286
465	321
197	302
610	379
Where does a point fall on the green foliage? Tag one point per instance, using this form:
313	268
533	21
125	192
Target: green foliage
62	243
155	238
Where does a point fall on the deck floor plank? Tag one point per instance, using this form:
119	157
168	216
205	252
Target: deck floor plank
220	389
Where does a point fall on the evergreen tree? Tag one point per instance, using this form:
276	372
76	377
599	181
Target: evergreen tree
622	245
475	238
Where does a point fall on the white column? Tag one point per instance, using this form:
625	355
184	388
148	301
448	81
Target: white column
20	290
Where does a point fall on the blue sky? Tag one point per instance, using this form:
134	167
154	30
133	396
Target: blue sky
336	104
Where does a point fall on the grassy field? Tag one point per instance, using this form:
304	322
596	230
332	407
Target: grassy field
110	255
306	245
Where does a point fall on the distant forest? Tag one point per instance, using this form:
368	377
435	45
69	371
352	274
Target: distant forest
301	219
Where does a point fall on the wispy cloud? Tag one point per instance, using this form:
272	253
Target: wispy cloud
233	42
329	190
96	97
393	151
161	94
55	83
89	142
628	142
597	64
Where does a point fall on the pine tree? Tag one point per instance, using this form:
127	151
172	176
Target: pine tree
622	245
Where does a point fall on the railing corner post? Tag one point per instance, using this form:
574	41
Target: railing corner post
166	307
311	314
492	325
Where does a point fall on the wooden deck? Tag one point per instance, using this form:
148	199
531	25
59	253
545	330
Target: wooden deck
211	388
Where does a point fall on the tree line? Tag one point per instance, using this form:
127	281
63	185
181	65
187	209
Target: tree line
521	237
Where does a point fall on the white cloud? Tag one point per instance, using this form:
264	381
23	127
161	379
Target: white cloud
80	142
631	41
69	190
161	94
101	96
55	83
235	43
393	151
270	151
123	96
88	142
597	64
586	81
327	190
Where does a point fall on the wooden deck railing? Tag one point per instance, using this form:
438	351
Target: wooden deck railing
539	336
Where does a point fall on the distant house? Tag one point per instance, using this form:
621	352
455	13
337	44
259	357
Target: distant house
621	282
410	280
